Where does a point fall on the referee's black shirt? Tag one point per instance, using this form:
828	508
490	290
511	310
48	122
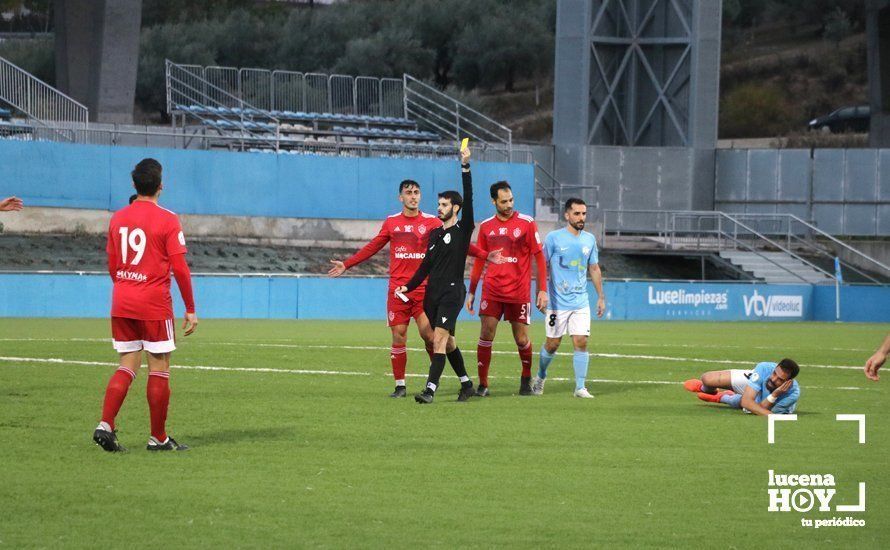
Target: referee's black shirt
446	254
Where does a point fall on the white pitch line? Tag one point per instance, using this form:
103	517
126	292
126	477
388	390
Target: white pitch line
496	352
269	343
59	361
184	367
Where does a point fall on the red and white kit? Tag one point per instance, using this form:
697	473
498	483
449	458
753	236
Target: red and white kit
506	287
407	237
145	242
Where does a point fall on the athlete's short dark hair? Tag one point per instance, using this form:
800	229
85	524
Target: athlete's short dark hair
497	186
572	202
790	367
132	198
147	177
406	184
453	196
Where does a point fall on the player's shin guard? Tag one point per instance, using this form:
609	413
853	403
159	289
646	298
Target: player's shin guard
158	393
399	358
483	360
456	358
437	366
115	393
525	357
544	360
580	360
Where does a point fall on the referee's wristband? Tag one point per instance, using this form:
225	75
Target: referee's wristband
771	398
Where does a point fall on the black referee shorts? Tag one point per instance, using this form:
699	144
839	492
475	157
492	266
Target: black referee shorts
442	307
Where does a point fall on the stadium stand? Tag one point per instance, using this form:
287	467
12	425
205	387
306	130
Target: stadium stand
269	109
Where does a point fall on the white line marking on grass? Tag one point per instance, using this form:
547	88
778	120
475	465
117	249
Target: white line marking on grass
496	352
269	343
184	367
59	361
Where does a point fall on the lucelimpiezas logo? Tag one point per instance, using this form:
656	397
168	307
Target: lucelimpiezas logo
773	306
804	493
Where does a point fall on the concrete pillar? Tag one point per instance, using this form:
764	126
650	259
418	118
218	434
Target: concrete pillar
97	55
877	26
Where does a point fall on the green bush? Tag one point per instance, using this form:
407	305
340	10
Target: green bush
754	110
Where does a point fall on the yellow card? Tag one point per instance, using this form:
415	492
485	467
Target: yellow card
464	143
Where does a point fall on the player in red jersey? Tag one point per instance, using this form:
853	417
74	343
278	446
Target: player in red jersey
407	233
145	242
506	287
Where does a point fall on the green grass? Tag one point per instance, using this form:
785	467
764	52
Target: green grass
288	459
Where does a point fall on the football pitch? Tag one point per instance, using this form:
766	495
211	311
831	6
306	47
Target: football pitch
296	444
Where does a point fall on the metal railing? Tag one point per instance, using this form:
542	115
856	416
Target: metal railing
186	85
43	105
801	235
710	231
294	91
554	192
449	117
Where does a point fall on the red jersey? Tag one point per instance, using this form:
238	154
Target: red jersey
141	239
408	237
519	240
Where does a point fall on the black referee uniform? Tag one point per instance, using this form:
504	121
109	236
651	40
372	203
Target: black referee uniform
444	264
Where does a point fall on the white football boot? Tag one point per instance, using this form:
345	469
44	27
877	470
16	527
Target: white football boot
583	393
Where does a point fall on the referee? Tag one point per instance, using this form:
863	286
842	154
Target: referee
444	263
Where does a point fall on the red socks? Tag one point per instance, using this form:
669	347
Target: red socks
115	394
525	356
483	359
399	359
158	393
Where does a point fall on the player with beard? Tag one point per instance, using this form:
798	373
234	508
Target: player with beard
506	287
571	256
444	264
768	388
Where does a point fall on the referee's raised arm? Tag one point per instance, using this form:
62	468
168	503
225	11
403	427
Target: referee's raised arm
466	212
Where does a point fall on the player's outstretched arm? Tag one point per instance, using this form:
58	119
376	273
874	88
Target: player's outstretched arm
366	252
467	222
876	361
11	204
423	270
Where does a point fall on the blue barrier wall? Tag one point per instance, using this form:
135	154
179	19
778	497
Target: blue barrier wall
50	295
244	184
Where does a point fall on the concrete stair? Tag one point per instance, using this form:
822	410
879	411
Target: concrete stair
764	266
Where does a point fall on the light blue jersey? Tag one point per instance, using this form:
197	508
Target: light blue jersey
567	259
757	380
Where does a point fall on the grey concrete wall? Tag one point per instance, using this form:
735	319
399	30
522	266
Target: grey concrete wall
841	191
97	55
279	231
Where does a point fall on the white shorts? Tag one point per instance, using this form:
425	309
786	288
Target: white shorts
574	322
739	380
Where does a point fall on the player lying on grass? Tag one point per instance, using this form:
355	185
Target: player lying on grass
768	388
877	360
